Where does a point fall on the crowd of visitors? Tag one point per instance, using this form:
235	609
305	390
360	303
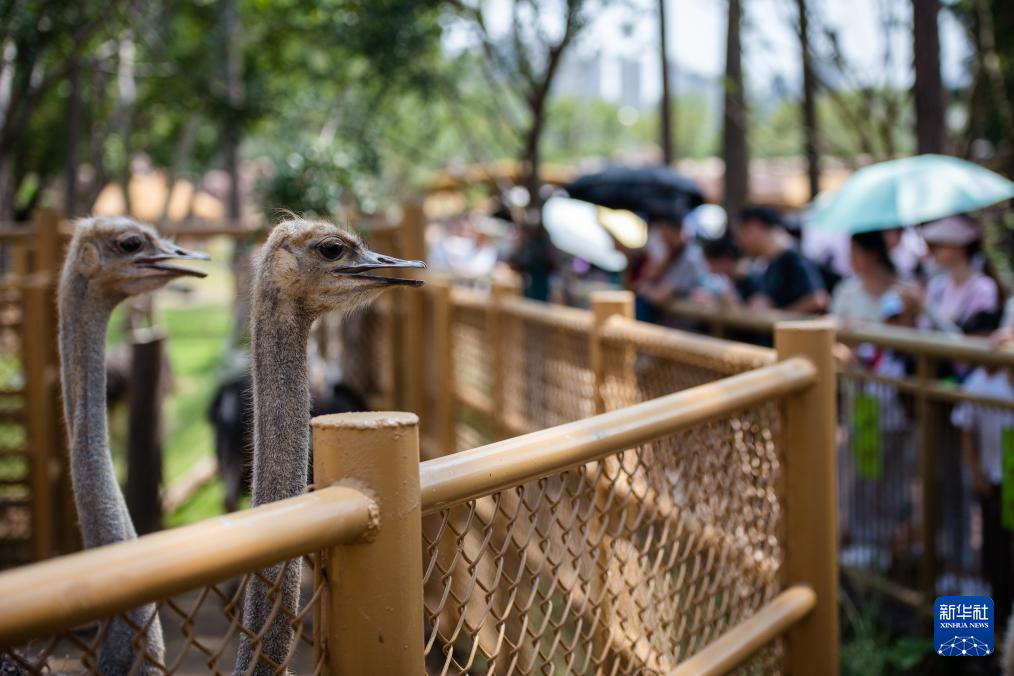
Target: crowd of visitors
938	271
935	277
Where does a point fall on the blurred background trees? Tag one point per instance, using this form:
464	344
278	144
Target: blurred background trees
331	104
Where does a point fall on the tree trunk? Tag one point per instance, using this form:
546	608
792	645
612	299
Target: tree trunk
181	158
668	147
530	162
242	249
7	187
809	103
126	88
928	91
234	98
534	256
735	152
70	198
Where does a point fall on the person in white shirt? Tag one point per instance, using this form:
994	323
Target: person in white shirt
858	297
985	431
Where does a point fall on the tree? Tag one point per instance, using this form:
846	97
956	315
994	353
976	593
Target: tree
523	64
991	97
928	90
810	150
867	112
42	42
735	151
668	152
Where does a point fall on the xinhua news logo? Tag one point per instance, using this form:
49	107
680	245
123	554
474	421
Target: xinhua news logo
963	626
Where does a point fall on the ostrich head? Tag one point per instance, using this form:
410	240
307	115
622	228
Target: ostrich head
321	267
120	257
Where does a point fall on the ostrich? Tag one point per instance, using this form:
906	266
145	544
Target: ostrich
306	268
109	259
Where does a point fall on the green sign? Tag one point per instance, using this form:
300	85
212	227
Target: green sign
867	444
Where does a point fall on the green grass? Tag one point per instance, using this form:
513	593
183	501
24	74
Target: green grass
196	338
205	503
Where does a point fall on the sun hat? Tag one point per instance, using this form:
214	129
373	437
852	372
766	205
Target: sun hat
951	231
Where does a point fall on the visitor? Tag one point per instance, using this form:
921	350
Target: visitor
964	284
982	445
674	268
789	280
858	298
725	284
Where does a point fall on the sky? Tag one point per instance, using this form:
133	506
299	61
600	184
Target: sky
697	28
697	38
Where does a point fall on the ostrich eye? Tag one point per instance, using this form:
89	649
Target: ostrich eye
130	244
331	249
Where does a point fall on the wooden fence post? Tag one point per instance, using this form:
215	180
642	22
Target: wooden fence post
144	433
47	240
605	304
501	288
445	415
47	258
413	245
374	608
40	428
809	463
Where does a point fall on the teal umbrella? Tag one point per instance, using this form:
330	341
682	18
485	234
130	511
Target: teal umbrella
910	191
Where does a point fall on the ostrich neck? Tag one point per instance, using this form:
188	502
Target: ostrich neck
279	334
84	318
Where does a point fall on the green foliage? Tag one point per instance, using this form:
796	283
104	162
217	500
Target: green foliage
318	181
869	649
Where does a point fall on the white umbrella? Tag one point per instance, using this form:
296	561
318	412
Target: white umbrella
574	228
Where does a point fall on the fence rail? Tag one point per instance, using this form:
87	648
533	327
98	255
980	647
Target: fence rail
629	541
467	475
907	513
62	593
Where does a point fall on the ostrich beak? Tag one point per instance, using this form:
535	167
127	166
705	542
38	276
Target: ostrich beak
170	251
365	260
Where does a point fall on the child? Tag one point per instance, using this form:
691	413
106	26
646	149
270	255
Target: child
986	431
722	285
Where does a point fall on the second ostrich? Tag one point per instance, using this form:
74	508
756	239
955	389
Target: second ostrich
305	269
109	259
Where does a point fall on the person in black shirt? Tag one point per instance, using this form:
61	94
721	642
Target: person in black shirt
789	281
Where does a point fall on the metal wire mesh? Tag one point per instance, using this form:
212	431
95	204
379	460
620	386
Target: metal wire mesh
641	366
626	565
201	630
882	485
367	353
15	511
547	374
878	487
472	375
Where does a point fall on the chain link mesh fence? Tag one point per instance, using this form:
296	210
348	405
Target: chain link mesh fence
547	373
201	629
15	497
626	565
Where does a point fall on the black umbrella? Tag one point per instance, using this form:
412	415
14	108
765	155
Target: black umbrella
657	191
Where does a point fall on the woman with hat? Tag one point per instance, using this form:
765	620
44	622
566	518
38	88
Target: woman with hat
964	285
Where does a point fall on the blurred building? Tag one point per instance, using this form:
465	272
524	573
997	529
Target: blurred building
580	76
630	83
